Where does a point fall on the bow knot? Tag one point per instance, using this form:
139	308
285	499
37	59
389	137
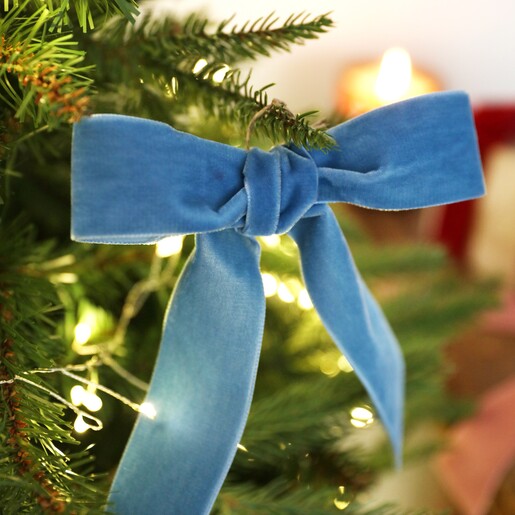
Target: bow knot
281	185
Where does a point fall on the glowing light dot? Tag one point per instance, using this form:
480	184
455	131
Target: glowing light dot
242	448
82	333
92	401
328	365
174	83
361	417
77	394
304	300
169	246
220	74
341	505
271	241
199	66
394	78
65	278
269	284
344	365
148	409
284	293
80	425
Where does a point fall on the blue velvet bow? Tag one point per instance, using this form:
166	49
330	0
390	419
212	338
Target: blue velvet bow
138	181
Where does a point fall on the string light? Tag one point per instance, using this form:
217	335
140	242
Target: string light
169	246
80	425
339	502
361	417
329	365
284	293
220	74
270	284
64	278
199	66
304	300
344	365
148	409
82	333
174	83
272	241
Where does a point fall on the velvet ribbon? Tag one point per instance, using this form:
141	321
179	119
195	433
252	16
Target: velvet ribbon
138	181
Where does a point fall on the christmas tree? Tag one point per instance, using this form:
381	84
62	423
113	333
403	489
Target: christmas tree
80	324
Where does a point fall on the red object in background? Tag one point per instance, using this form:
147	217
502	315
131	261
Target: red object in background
494	125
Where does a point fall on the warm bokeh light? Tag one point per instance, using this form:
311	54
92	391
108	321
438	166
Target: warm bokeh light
394	78
82	333
169	246
270	284
148	409
80	425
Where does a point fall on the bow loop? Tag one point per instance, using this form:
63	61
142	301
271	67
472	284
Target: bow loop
281	185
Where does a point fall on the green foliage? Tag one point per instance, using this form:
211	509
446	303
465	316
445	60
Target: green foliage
163	67
40	77
84	12
36	475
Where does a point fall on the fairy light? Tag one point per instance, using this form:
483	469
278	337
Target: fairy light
339	502
329	365
82	333
80	425
64	278
304	300
270	284
361	417
344	365
169	246
272	241
77	394
199	66
91	401
148	409
220	74
284	293
87	398
174	83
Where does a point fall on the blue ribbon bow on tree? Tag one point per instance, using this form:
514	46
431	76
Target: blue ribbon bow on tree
138	181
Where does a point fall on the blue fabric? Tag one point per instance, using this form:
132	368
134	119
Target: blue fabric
137	181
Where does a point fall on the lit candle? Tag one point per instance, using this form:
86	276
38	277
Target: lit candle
364	87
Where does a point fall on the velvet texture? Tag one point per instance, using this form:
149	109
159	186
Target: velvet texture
137	181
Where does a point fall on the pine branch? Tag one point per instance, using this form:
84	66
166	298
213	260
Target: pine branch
36	475
85	12
283	498
40	76
159	61
225	44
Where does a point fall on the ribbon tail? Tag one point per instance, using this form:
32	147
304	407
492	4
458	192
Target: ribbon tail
353	318
202	384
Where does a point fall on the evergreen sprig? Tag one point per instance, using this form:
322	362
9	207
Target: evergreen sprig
181	65
193	39
84	12
38	474
41	77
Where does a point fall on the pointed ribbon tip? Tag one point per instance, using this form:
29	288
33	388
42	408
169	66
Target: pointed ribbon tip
138	181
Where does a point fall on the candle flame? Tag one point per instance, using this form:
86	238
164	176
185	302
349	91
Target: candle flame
394	78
